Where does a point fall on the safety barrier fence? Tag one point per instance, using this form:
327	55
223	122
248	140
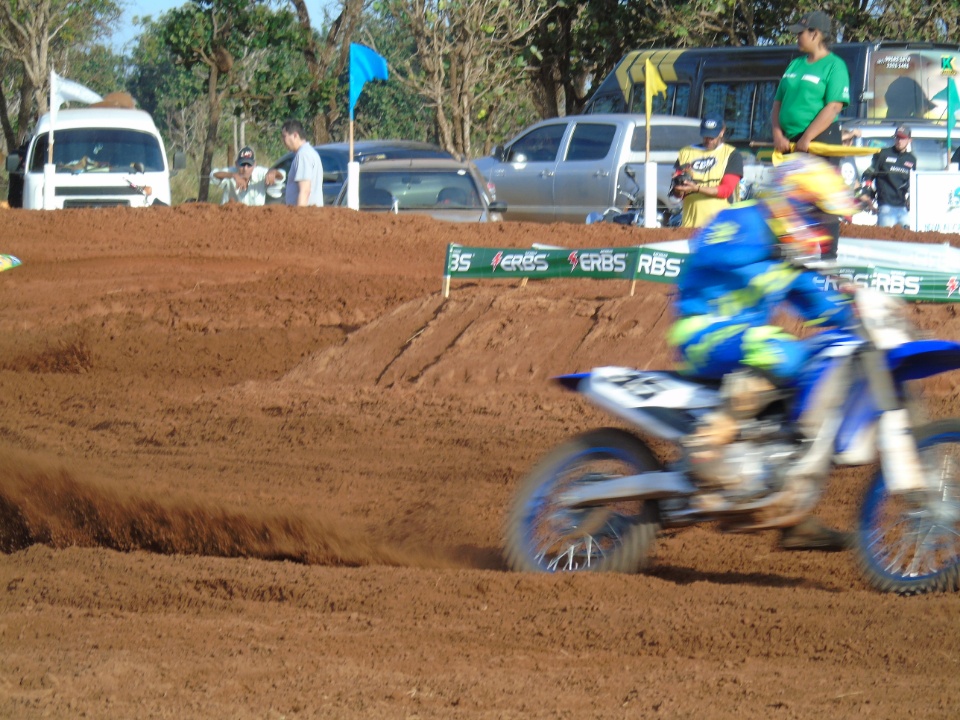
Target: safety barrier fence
865	263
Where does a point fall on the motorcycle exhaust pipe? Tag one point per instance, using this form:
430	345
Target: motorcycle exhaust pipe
645	486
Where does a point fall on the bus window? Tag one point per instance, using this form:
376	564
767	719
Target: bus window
606	104
761	129
734	102
745	105
676	102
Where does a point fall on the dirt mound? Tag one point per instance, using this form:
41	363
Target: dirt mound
256	466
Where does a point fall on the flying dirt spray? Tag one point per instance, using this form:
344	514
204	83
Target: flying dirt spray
44	503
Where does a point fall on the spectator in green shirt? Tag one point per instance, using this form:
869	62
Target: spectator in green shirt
814	89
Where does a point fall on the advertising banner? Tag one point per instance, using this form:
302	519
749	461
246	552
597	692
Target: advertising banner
869	263
935	202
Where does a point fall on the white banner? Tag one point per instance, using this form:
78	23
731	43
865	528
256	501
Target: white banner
935	202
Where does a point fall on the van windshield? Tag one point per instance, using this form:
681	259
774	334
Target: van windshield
82	150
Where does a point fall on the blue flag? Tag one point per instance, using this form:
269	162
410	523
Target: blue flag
365	65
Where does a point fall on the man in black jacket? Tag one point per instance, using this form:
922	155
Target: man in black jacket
889	177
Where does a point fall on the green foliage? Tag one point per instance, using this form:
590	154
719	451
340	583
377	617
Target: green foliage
35	37
257	47
387	110
160	85
99	68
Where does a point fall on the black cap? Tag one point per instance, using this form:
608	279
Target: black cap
245	157
903	132
815	20
711	125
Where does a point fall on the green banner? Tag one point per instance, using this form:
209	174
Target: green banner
657	265
907	284
626	263
604	264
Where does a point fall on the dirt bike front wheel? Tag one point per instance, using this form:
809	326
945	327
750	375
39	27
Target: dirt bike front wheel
911	545
542	535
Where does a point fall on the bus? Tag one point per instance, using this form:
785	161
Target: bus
890	81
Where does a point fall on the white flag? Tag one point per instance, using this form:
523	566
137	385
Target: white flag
62	90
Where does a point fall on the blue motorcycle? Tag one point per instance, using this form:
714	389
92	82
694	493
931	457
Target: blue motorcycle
598	501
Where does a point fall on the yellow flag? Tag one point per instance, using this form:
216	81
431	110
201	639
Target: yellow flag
653	85
829	150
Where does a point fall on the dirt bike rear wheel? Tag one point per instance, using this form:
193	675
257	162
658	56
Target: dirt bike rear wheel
543	536
911	546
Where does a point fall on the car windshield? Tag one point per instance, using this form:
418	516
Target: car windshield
418	189
100	150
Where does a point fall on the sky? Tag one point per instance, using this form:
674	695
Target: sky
127	31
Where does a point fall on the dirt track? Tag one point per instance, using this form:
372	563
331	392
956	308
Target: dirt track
253	466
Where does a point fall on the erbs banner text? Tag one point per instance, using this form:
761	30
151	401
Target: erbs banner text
656	264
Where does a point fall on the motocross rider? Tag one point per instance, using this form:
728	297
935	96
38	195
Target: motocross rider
746	263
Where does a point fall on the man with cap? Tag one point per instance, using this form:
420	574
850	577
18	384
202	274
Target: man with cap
707	176
814	88
889	178
246	182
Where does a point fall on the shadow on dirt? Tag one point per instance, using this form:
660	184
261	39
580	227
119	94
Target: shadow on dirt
687	576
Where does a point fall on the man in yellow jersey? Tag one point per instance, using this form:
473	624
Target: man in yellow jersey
707	176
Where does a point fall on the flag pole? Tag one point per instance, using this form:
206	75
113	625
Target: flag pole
652	85
365	65
353	168
952	102
49	169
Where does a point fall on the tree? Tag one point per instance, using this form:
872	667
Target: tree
465	53
581	41
327	57
921	20
173	94
31	35
219	37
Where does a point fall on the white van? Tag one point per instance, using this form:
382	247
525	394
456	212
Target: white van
104	157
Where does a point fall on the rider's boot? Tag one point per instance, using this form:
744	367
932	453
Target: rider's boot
745	394
811	534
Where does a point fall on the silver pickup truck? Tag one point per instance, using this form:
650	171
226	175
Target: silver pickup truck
562	169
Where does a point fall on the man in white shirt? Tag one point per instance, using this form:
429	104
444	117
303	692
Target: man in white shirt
247	182
305	179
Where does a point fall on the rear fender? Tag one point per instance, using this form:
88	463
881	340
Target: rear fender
923	358
571	382
661	403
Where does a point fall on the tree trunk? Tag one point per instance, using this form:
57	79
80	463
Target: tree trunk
327	60
24	117
213	124
9	137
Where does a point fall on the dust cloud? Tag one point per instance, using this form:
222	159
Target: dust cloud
43	503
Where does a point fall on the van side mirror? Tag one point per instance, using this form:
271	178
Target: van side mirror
13	162
497	206
179	160
499	153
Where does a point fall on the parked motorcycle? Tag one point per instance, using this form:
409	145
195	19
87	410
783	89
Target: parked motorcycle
598	501
631	212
